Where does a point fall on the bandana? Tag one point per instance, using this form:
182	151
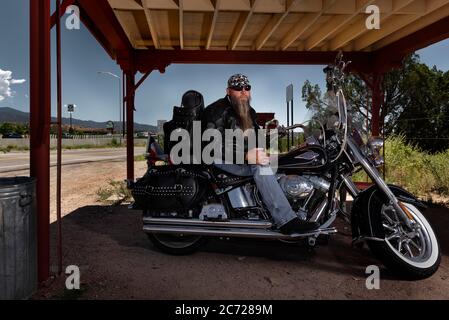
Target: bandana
238	80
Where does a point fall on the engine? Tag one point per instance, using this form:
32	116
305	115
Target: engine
303	192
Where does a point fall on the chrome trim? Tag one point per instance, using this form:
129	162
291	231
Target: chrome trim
240	197
332	218
350	185
362	239
377	178
234	232
196	222
319	211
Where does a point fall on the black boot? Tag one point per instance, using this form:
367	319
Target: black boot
296	225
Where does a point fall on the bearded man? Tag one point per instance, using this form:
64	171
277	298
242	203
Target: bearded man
234	111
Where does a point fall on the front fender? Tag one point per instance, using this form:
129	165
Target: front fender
360	208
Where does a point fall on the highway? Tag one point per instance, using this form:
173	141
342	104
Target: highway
15	161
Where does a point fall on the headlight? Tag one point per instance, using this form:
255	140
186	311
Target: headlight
373	151
376	144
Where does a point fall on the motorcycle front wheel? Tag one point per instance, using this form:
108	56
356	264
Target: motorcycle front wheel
413	254
176	244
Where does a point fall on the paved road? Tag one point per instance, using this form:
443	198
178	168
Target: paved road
15	161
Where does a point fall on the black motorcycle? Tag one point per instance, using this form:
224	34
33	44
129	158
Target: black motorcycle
183	205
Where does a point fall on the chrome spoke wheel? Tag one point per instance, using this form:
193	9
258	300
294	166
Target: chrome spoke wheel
416	245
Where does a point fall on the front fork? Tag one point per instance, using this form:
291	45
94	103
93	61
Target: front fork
374	174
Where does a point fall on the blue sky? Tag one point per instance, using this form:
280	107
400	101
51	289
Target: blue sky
96	95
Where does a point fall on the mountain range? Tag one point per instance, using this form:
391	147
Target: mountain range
16	116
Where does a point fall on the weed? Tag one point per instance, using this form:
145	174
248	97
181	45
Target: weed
115	193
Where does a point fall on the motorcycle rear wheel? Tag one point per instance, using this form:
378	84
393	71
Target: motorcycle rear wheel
176	244
412	255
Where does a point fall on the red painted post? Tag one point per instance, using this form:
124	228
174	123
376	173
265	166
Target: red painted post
59	148
40	112
130	93
376	90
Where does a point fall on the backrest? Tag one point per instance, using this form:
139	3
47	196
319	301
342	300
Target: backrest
191	109
192	99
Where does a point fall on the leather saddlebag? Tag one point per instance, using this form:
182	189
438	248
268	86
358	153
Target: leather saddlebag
169	188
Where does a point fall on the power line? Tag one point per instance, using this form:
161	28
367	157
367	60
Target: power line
427	138
414	119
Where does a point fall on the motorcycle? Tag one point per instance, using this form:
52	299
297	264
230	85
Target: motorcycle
184	205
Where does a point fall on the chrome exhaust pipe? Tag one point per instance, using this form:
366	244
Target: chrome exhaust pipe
233	232
249	224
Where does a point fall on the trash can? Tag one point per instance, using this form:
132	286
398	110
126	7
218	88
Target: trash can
18	238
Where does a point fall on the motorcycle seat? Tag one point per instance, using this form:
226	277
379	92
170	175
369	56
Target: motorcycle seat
225	178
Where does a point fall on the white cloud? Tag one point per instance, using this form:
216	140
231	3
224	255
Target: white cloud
18	81
6	81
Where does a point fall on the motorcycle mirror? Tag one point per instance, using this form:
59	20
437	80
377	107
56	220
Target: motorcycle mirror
273	121
339	57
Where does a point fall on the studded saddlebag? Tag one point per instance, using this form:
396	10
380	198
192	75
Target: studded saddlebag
169	188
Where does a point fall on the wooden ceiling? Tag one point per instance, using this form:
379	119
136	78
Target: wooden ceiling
271	25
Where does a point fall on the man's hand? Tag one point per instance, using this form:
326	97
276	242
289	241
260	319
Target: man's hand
257	156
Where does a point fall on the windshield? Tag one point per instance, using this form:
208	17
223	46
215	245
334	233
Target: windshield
326	116
330	114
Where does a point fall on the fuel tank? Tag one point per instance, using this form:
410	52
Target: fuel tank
307	158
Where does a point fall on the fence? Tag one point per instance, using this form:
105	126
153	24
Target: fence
71	141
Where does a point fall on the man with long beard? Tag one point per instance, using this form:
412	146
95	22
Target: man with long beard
235	112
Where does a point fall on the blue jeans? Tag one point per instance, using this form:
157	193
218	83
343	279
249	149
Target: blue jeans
270	190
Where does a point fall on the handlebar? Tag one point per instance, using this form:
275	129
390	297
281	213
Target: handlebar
295	126
335	72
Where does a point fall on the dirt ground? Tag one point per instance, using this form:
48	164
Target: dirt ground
117	261
80	182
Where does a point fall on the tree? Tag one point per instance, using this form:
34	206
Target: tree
20	128
6	128
415	104
424	114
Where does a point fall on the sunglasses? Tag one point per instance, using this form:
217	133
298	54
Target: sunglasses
240	88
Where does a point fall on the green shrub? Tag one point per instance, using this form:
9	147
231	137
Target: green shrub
408	166
439	166
415	170
115	143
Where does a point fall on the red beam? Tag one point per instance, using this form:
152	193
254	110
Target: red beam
142	80
40	112
422	38
100	19
148	60
130	94
63	8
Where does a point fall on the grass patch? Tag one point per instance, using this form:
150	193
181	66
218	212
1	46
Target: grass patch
10	148
113	144
114	193
140	158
